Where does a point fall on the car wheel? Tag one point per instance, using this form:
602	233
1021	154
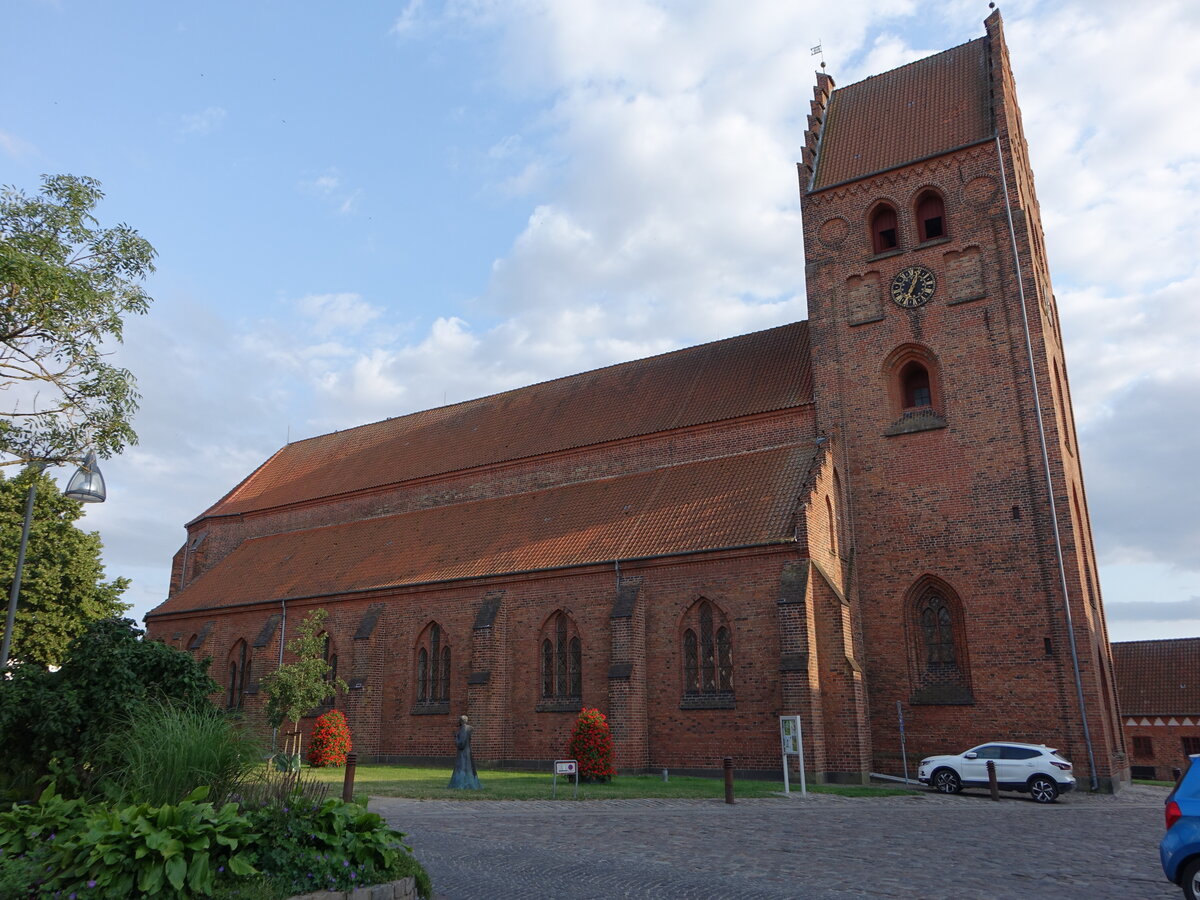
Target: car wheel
1191	880
1043	789
945	781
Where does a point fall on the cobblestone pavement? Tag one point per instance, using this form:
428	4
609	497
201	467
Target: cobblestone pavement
963	847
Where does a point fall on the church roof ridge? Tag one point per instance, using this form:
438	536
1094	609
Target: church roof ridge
709	382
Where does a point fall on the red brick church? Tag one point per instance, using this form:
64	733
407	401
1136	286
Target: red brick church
877	510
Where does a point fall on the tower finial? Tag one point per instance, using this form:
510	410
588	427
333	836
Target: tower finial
817	51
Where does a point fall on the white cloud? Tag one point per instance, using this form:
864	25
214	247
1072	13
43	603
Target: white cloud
330	313
330	186
16	147
204	122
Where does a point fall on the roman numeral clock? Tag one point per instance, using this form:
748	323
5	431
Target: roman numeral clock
913	287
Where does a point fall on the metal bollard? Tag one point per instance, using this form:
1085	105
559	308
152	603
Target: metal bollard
729	779
348	780
665	777
991	767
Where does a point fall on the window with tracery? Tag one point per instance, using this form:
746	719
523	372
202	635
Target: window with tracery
561	664
433	669
707	658
238	673
939	650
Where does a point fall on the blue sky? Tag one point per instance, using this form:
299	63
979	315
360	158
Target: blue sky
367	209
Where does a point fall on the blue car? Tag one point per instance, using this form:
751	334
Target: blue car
1180	846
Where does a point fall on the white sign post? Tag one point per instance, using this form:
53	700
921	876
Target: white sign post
791	740
567	767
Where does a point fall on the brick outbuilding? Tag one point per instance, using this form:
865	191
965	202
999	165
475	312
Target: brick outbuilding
878	510
1158	686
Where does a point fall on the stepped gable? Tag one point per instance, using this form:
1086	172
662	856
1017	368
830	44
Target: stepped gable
754	373
1159	678
742	500
926	108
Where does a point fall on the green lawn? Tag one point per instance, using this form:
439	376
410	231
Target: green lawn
430	784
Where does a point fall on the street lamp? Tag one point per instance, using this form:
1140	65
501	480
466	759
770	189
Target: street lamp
87	486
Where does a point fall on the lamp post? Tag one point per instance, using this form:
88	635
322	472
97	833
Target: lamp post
87	486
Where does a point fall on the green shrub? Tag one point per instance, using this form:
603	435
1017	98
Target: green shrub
176	850
163	752
109	673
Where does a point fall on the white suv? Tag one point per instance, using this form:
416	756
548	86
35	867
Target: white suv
1035	769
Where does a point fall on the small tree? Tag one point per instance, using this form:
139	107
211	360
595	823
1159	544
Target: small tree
66	285
62	589
297	687
591	745
330	740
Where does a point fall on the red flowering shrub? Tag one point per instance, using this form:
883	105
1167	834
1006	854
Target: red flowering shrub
591	745
330	740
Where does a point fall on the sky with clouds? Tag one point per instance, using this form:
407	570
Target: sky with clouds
362	210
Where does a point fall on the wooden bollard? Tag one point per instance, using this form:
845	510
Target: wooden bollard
991	769
348	780
729	779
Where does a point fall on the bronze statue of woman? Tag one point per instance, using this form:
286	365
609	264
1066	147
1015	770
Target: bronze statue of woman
464	777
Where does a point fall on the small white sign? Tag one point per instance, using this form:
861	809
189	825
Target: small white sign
565	767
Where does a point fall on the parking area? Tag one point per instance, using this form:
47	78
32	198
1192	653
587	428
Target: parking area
923	846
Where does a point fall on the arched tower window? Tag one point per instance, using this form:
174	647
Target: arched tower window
561	664
884	233
931	216
433	670
938	648
707	641
914	385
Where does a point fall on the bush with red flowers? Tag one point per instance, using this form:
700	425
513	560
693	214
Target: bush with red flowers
330	740
591	745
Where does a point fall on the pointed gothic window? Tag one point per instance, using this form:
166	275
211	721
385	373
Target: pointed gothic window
433	671
561	665
707	658
931	216
938	646
238	676
884	234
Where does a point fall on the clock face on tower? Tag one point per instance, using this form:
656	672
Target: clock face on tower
913	287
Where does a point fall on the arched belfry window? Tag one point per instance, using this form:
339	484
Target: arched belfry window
433	671
885	234
707	641
239	670
931	216
914	385
561	662
938	647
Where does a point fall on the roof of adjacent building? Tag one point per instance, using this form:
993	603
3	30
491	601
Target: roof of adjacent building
746	499
926	108
754	373
1158	677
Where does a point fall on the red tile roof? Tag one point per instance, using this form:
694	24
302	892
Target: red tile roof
1158	678
753	373
740	500
928	107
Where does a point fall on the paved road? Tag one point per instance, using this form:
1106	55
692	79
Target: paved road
964	847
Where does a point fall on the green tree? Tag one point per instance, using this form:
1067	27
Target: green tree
66	285
298	686
62	586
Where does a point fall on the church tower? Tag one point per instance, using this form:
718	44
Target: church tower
939	377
